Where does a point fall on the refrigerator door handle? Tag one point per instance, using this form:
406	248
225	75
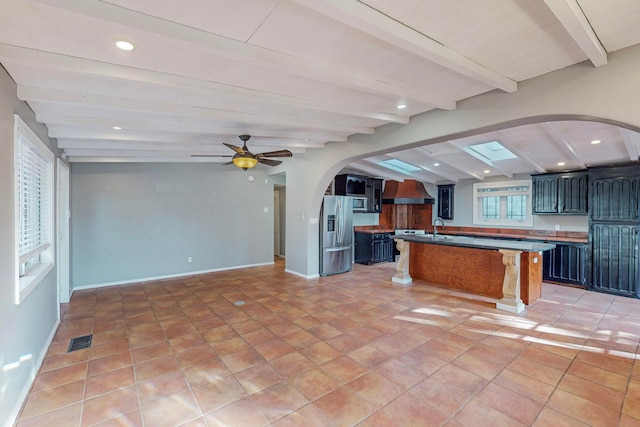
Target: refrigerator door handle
340	222
338	249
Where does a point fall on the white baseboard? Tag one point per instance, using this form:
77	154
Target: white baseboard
305	276
169	276
13	416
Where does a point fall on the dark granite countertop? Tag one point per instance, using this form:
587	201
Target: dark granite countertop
479	243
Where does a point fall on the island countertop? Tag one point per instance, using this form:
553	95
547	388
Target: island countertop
478	243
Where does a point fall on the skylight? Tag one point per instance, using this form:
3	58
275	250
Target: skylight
492	150
399	166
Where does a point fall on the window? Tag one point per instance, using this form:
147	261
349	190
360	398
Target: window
502	203
34	209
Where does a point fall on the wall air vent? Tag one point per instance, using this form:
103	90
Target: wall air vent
78	343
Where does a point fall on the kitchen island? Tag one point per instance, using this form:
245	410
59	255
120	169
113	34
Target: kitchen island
510	271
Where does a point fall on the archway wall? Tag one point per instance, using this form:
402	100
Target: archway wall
610	94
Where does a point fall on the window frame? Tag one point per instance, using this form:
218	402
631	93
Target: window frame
25	138
477	205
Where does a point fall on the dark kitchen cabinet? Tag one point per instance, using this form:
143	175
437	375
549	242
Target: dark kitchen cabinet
614	226
373	248
374	195
566	263
361	186
615	258
573	193
564	194
615	198
545	194
350	185
445	201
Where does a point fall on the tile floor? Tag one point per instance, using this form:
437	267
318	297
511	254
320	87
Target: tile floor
344	350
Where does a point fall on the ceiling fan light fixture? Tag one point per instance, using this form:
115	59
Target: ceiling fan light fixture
244	162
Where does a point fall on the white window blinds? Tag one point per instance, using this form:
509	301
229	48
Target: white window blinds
34	216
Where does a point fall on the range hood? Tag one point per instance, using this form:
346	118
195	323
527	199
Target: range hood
408	192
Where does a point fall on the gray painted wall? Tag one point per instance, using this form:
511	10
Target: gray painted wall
25	329
138	221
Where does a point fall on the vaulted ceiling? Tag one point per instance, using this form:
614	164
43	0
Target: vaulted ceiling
296	74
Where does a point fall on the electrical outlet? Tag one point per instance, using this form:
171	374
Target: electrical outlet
189	259
557	227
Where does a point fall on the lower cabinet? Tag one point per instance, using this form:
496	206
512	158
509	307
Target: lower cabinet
373	248
566	263
616	256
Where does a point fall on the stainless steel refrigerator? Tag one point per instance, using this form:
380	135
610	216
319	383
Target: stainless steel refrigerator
336	235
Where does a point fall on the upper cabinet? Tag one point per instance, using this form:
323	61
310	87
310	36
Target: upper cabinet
614	194
374	195
445	201
351	185
360	186
573	193
565	193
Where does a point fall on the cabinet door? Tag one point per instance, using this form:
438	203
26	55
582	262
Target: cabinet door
572	193
566	263
375	202
615	258
545	194
382	250
445	201
615	199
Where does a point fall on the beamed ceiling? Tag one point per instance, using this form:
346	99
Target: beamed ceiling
296	74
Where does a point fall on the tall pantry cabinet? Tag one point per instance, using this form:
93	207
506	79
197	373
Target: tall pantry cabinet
614	227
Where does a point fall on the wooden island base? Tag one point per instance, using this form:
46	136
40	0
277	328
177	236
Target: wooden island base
480	271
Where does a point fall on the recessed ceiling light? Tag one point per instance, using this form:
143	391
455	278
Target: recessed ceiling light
436	164
596	141
561	163
487	171
402	106
124	45
117	128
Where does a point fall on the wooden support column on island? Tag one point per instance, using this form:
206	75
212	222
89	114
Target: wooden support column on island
402	266
511	285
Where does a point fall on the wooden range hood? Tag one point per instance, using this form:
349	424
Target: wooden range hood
406	205
408	192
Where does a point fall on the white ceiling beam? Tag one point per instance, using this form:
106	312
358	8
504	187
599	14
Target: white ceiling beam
185	148
414	158
572	18
200	134
376	24
452	166
471	153
370	167
38	94
631	142
527	159
563	143
93	68
157	159
251	55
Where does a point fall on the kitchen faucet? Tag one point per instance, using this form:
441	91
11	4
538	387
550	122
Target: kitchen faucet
435	225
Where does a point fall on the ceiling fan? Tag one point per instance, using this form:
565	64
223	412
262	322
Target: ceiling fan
245	159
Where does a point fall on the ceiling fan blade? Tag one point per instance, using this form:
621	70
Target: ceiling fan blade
269	162
234	148
278	153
